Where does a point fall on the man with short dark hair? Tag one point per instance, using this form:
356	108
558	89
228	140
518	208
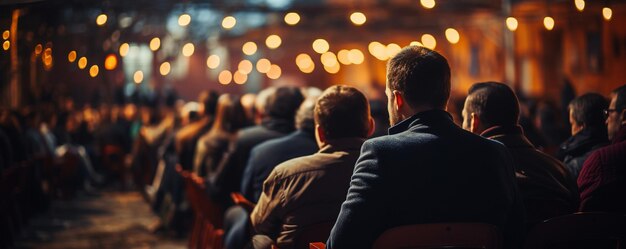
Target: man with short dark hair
309	190
188	136
602	180
588	128
427	170
492	111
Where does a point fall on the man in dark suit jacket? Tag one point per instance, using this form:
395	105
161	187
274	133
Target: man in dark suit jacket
267	155
548	190
308	191
427	170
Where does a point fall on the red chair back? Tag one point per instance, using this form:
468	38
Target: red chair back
440	235
312	233
579	230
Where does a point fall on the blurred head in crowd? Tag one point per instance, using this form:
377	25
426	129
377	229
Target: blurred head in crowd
342	112
418	79
305	120
247	101
208	103
616	113
284	103
587	111
260	103
230	115
490	104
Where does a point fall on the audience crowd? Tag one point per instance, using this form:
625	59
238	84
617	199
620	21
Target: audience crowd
289	165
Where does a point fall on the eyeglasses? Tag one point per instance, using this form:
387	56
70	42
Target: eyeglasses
607	112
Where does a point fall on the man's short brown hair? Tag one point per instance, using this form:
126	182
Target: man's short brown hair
422	75
342	111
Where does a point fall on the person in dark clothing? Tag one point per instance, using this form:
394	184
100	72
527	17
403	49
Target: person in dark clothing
602	180
187	137
267	155
492	110
428	169
308	191
214	147
586	117
280	110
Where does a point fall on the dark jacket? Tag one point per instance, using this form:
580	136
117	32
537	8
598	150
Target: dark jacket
229	179
267	155
305	191
575	150
547	188
428	170
602	181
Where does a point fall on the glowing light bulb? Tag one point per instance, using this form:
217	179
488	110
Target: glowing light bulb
328	59
225	77
391	50
188	49
165	68
320	46
358	18
304	61
343	57
429	4
245	67
71	57
240	77
607	13
229	22
138	77
155	44
184	20
548	22
124	48
82	62
93	71
274	72
213	61
292	18
580	5
101	19
263	65
110	62
273	41
249	48
511	23
429	41
416	43
453	35
356	56
6	45
378	50
6	34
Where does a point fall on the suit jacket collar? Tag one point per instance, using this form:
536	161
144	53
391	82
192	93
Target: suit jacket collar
420	118
510	136
342	144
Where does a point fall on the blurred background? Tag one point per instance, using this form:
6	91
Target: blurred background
115	51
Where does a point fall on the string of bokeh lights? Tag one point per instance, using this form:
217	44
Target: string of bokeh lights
331	62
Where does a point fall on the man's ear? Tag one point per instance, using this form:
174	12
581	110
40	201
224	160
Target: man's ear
474	122
623	116
319	136
399	99
372	127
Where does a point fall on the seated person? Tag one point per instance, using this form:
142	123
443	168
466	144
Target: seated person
492	111
602	180
309	190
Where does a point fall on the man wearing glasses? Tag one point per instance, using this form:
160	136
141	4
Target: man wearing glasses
602	180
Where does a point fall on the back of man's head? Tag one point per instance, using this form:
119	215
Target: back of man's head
305	119
342	111
588	110
422	75
284	103
494	103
